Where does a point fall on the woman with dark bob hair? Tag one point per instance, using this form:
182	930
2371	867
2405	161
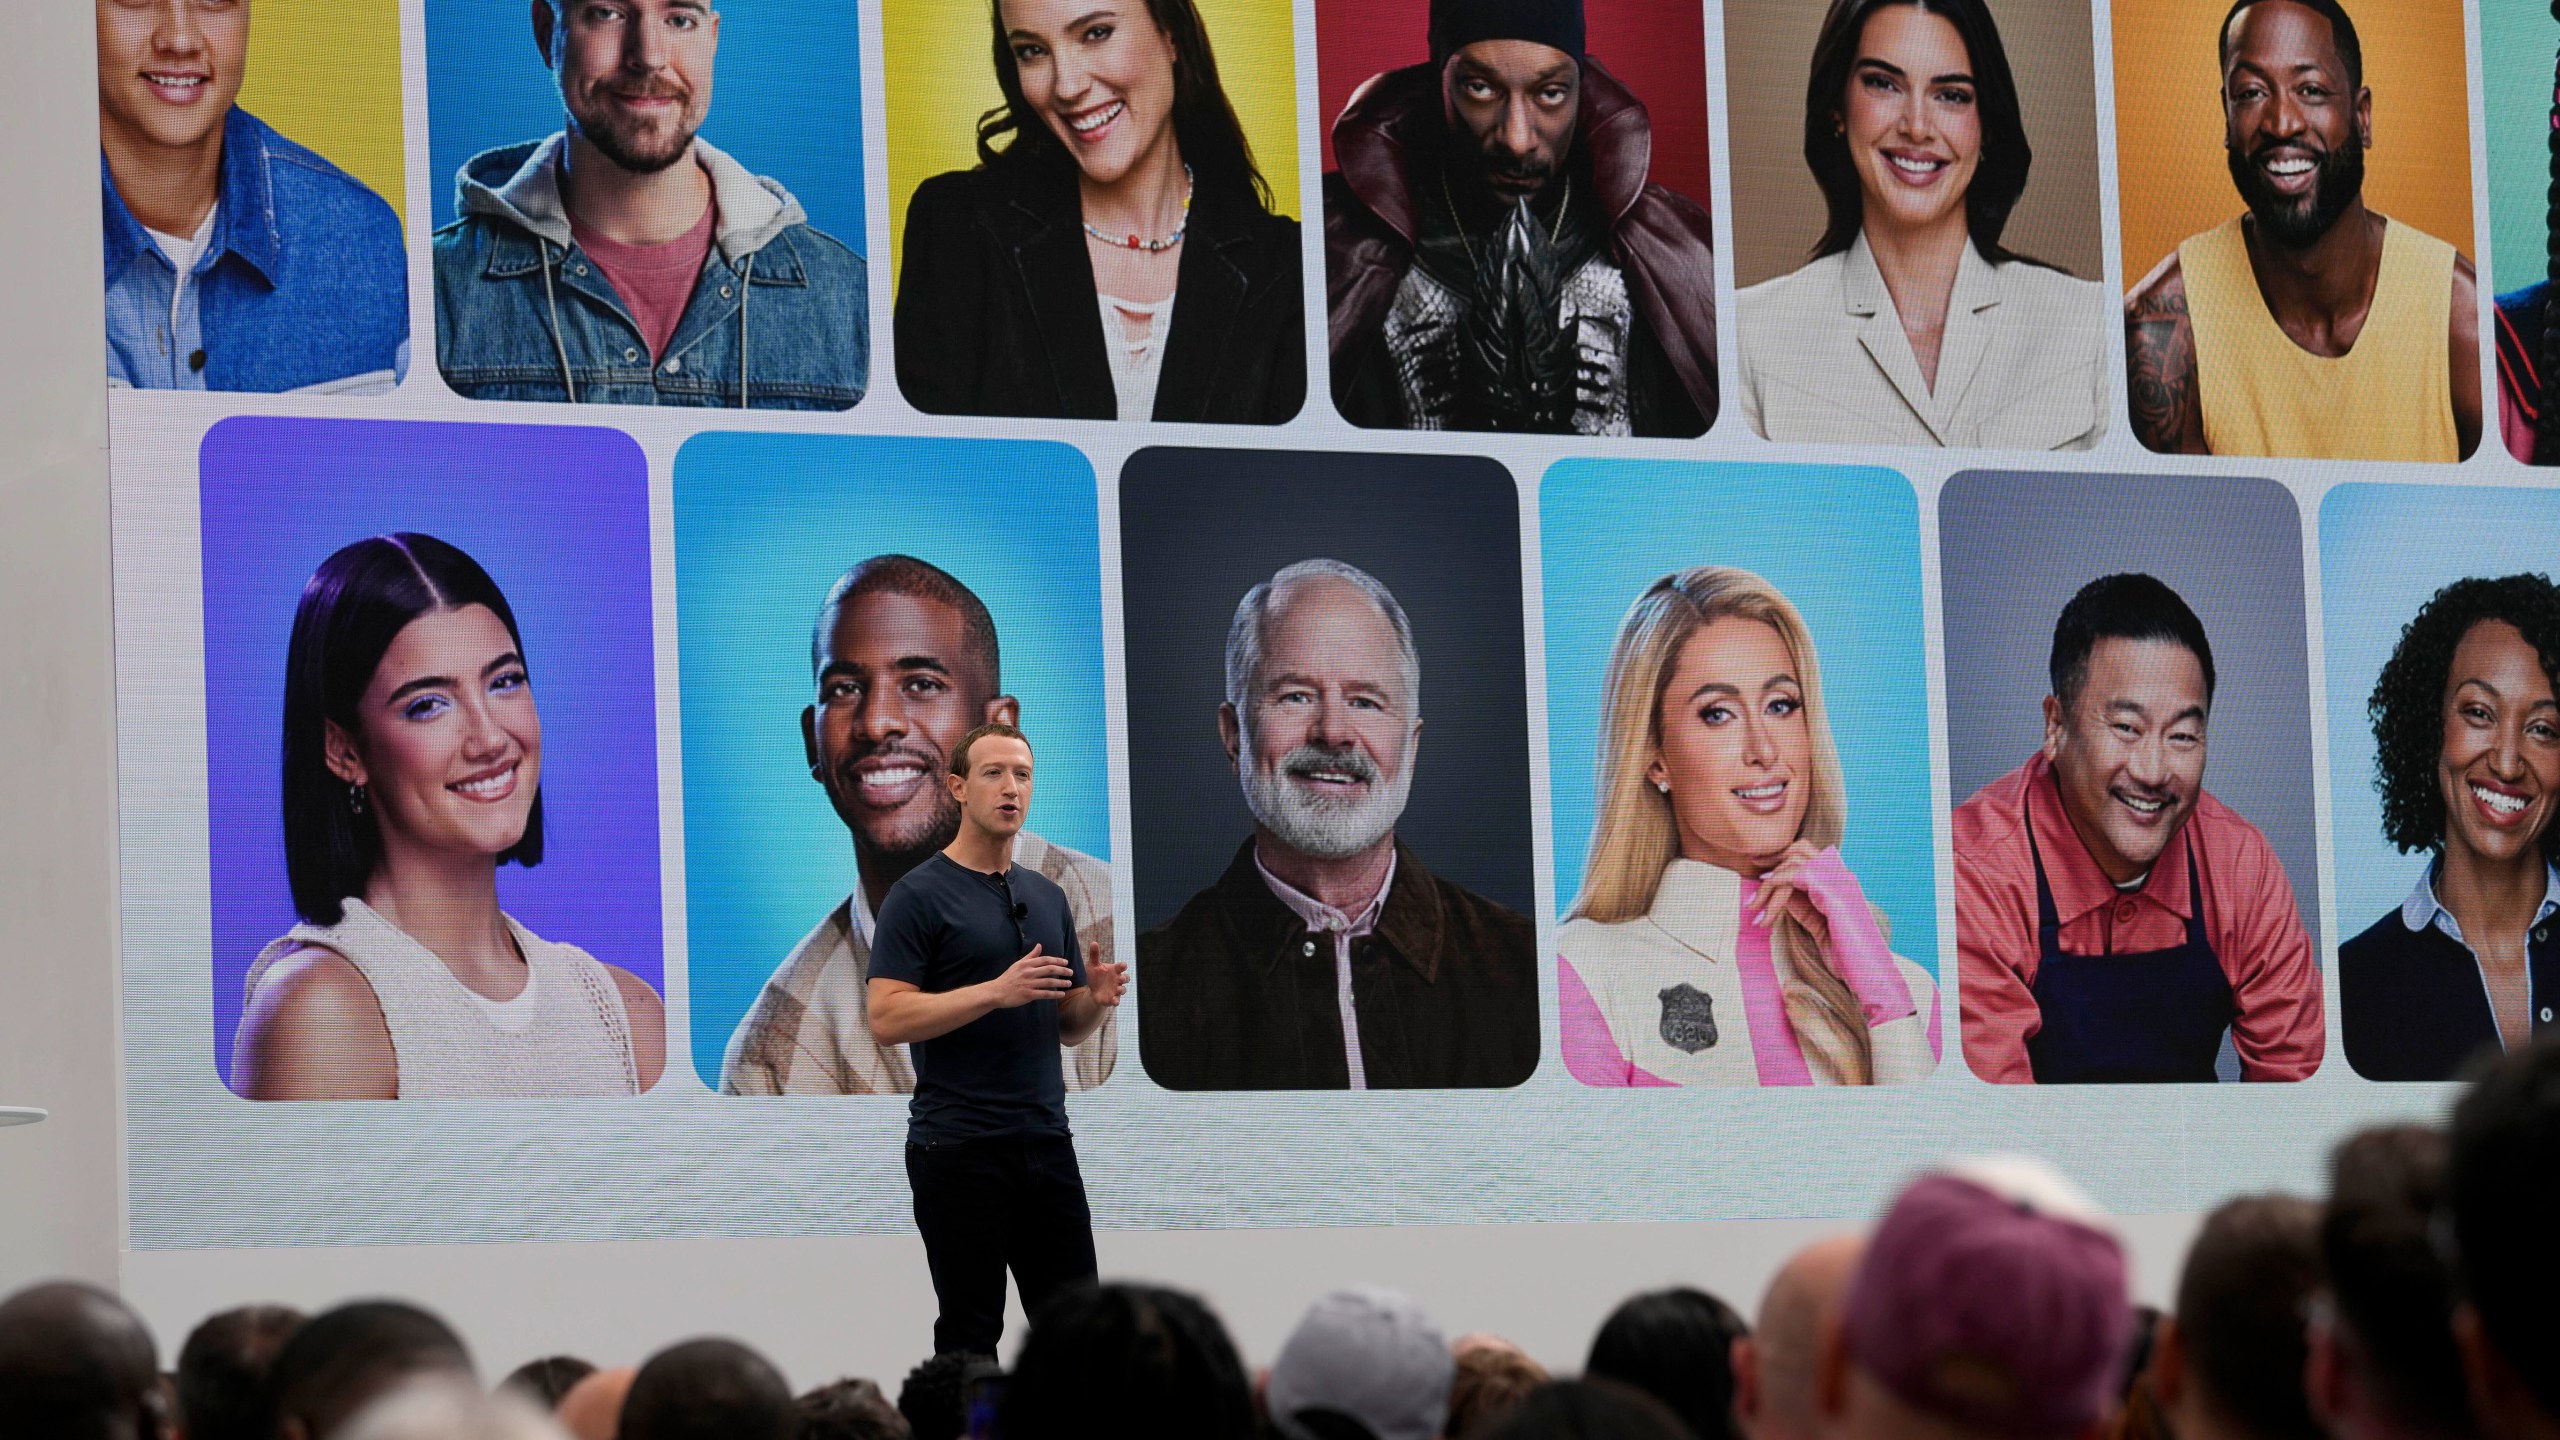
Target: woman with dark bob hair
2466	730
1913	324
1113	255
412	771
1675	1345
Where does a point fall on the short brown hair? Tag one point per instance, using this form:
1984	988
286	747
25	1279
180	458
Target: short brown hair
960	752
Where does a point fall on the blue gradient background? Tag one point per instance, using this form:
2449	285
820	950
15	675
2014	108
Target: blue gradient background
559	517
785	103
2384	550
764	525
1844	545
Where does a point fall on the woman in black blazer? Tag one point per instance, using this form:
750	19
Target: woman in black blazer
1113	254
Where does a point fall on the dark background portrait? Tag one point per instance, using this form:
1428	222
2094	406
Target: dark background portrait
1656	48
1777	209
1199	528
2014	548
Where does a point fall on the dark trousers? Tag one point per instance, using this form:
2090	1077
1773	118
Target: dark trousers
988	1205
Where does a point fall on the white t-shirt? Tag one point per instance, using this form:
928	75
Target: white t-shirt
1133	336
184	252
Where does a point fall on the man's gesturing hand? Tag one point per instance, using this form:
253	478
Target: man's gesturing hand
1106	980
1035	976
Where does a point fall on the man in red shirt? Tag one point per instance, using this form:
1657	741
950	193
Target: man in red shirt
2112	919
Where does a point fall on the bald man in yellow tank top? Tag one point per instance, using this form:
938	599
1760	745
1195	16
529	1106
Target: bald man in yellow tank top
2310	326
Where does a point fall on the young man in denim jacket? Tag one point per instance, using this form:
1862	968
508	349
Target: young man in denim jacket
623	260
235	259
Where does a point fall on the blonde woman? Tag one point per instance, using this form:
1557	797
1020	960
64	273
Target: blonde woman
1719	939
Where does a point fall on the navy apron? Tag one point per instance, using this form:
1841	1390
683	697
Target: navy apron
2143	1018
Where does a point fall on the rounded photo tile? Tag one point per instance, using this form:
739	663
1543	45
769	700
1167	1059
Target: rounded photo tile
2440	637
1738	732
1331	893
433	813
2128	730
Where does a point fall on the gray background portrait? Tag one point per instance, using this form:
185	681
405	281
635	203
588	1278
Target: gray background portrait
1777	209
2014	548
1200	528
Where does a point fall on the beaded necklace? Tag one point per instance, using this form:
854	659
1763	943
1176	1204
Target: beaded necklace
1141	242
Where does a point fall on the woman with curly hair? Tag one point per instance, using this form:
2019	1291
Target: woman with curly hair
2466	728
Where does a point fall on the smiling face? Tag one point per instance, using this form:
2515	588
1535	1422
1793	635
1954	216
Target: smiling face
2500	765
1911	118
897	690
1512	106
1327	739
1100	76
1737	745
168	70
995	794
447	742
2128	751
635	75
2294	129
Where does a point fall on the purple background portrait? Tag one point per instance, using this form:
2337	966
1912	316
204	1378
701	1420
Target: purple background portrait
559	518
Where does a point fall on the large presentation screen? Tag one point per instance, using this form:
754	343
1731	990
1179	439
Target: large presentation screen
1625	609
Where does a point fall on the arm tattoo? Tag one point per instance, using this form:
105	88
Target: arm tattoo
2160	370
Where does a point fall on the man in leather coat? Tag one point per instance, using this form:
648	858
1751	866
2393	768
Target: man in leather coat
1497	258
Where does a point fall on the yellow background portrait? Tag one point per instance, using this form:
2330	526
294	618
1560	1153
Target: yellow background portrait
2169	158
939	54
326	75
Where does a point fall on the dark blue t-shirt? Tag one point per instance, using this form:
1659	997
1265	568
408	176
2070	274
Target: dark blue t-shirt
946	927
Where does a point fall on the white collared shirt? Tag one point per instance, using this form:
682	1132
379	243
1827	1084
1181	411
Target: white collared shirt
2423	910
1345	927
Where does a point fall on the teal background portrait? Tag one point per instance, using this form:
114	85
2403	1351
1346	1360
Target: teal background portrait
1844	546
763	526
2517	43
2384	551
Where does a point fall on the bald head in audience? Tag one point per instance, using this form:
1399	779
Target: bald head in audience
77	1364
1773	1367
592	1410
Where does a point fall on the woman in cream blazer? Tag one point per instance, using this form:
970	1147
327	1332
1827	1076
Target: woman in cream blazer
1911	325
1719	938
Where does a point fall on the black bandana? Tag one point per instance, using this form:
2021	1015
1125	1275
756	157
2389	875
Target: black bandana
1457	24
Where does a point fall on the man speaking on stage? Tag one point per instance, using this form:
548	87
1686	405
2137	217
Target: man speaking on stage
974	967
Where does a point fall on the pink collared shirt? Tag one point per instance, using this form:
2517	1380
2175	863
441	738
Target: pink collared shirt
1344	927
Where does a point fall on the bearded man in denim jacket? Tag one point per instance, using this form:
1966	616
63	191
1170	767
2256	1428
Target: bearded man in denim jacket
234	258
625	261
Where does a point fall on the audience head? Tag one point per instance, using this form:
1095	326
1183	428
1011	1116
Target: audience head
547	1381
1126	1362
592	1410
2383	1362
222	1371
708	1390
1491	1379
2502	1189
1675	1345
1990	1302
2229	1362
850	1410
1366	1353
1774	1364
935	1397
444	1407
1591	1410
77	1364
342	1360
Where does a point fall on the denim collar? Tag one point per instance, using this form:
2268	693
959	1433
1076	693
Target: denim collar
246	226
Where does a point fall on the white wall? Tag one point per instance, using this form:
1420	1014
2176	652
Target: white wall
861	1305
58	1181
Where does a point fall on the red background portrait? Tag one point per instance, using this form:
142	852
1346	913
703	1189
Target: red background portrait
1658	48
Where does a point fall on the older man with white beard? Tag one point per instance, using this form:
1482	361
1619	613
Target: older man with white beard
1327	957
